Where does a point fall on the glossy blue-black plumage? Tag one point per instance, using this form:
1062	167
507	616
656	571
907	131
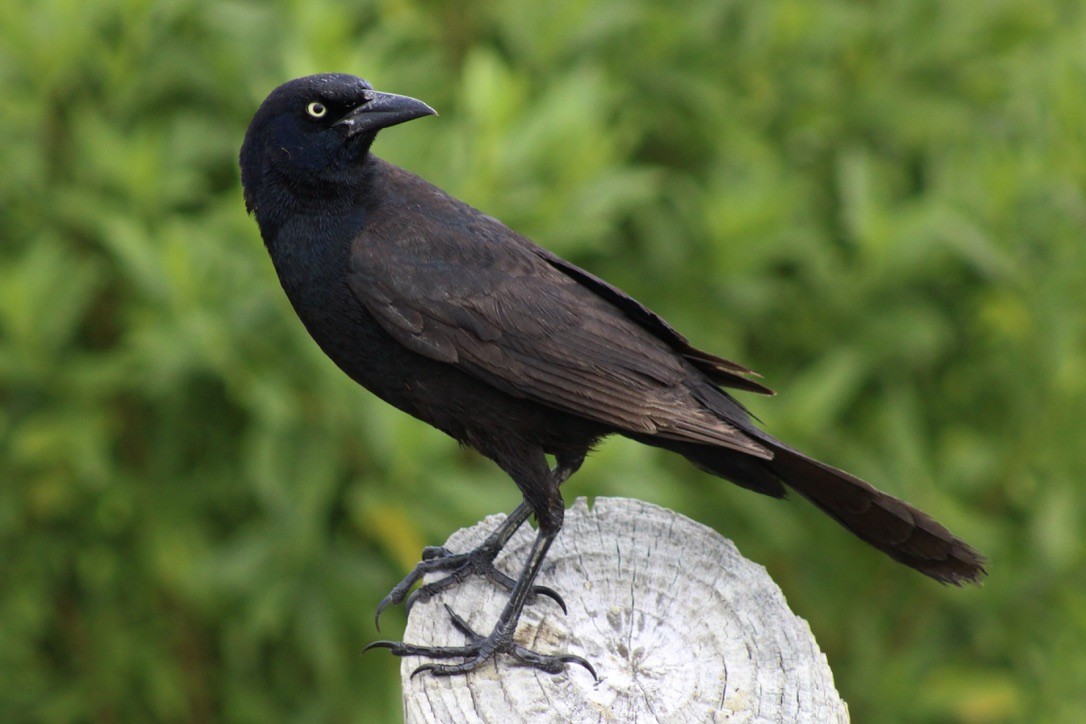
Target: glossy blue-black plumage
452	317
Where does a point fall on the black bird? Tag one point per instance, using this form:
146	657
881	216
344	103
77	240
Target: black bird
457	320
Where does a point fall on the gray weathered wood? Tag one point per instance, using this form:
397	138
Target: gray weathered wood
678	625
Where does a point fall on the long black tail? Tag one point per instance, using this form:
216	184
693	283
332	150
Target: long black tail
904	533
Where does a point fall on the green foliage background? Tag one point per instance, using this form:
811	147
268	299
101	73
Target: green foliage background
880	206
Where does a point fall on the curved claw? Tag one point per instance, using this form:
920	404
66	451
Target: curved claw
391	645
421	668
449	669
551	594
399	591
574	659
551	663
461	625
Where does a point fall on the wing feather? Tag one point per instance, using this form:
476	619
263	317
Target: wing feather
512	318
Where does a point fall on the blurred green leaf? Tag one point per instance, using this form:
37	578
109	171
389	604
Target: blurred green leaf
878	206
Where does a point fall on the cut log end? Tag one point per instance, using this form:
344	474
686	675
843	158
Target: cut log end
677	624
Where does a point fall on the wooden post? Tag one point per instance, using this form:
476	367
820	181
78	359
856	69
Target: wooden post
678	625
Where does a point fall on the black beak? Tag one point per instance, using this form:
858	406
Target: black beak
381	110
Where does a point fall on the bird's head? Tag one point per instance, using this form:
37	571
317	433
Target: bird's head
310	134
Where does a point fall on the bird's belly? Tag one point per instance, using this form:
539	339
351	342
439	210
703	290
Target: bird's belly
437	393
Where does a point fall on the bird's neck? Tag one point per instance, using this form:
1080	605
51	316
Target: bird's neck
323	201
309	236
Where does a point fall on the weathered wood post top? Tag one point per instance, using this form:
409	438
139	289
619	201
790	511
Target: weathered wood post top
677	624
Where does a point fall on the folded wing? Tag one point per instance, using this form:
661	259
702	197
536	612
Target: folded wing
537	327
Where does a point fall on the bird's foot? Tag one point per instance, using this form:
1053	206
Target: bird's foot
459	566
479	650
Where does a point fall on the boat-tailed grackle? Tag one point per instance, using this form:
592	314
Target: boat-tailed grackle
455	319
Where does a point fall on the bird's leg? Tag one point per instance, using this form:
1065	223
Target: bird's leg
459	566
480	649
479	561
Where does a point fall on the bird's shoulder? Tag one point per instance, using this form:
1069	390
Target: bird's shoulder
421	247
410	219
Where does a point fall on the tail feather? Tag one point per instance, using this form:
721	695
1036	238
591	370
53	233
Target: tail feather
906	534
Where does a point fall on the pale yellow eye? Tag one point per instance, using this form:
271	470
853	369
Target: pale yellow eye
316	109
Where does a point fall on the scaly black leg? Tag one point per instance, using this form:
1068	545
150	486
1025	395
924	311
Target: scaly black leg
480	649
460	566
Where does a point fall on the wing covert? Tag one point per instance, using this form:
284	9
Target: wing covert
512	319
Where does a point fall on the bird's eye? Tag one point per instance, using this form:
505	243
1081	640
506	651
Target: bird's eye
316	110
